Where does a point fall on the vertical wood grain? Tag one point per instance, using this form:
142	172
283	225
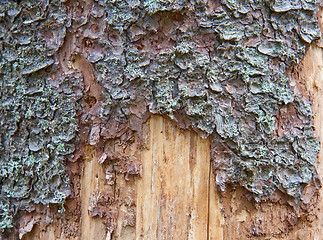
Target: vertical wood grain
173	192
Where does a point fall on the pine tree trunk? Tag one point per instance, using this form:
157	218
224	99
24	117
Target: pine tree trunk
133	93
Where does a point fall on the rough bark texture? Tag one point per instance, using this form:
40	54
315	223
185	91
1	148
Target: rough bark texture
80	81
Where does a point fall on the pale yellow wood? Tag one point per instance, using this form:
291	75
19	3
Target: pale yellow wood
313	74
173	192
92	184
312	71
216	219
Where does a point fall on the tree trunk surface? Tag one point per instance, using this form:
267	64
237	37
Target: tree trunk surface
176	197
160	182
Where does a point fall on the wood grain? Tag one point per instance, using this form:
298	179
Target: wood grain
173	192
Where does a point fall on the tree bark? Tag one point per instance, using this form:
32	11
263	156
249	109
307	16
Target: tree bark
145	157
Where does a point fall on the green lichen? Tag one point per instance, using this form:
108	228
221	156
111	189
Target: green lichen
37	129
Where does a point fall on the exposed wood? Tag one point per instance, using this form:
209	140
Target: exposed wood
216	219
173	192
92	184
313	73
175	196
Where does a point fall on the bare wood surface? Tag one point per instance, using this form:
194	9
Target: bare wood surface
173	192
313	73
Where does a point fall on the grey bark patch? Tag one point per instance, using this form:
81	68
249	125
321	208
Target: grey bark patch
33	112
